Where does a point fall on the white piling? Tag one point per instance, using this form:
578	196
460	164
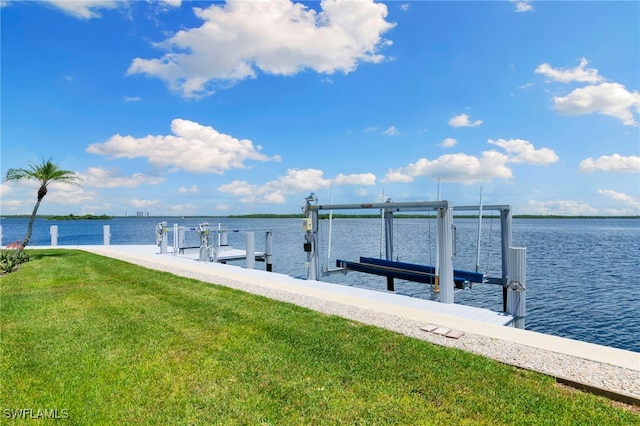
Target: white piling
53	231
251	250
269	250
161	236
203	253
176	247
181	238
445	261
517	287
0	235
106	234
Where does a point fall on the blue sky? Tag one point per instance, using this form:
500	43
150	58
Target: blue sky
199	108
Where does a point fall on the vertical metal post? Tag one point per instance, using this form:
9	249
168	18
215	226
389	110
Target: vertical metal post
388	241
314	262
479	233
181	238
251	250
106	234
163	246
175	239
161	236
517	287
505	234
53	230
445	261
269	250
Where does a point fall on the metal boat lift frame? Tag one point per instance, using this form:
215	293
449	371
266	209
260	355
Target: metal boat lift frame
444	274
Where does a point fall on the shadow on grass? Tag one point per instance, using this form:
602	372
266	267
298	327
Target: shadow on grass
50	253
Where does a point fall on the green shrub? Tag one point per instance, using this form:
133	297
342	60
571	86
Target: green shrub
10	260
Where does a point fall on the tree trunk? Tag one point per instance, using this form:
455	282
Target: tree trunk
30	228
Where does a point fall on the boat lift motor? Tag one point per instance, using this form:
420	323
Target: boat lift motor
203	233
161	236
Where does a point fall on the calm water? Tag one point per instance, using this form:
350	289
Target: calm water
583	275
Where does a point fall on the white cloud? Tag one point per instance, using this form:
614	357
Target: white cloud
522	151
620	205
143	204
559	208
84	9
633	202
241	38
355	179
523	6
404	7
448	142
132	98
108	178
459	167
275	191
179	209
462	120
192	147
4	189
194	189
468	169
222	207
57	193
65	194
611	163
611	99
579	73
391	131
169	3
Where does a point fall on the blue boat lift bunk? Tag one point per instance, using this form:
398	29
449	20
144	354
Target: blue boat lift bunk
407	271
444	278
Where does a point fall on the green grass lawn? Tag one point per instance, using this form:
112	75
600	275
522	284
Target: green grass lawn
113	343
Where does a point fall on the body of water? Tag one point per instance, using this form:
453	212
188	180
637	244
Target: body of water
583	275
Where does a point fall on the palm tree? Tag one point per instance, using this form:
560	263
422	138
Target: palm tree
44	173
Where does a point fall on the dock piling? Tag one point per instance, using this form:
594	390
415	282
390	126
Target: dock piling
517	287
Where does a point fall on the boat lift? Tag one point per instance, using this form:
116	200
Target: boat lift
213	244
442	276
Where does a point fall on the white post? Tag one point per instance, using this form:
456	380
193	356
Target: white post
269	250
251	250
161	236
181	238
175	239
479	233
106	234
53	230
517	287
330	224
445	261
315	254
0	235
